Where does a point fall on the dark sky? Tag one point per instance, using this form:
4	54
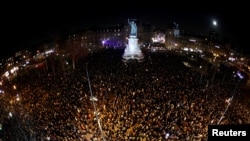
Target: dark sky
26	23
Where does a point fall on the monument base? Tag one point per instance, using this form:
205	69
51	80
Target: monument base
132	51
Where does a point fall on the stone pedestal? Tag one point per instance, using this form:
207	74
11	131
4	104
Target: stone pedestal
132	51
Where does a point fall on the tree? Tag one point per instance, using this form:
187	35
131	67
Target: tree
75	49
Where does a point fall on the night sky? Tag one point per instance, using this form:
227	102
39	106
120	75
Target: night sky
24	24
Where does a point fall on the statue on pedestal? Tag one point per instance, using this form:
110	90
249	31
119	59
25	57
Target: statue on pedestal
132	50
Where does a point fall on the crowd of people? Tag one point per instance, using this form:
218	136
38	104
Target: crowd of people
155	100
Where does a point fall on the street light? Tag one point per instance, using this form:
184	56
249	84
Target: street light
239	77
94	99
214	23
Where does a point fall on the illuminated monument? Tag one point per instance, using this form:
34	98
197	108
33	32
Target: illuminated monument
132	50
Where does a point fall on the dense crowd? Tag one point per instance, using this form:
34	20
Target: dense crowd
157	99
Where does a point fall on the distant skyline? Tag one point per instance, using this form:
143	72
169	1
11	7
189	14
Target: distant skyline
36	21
